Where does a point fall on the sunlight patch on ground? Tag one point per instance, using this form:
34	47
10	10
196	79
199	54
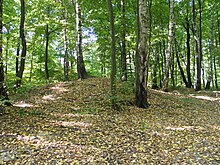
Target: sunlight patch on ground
181	128
48	97
59	88
70	124
70	115
23	105
206	98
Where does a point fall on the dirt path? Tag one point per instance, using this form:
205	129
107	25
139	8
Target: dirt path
71	123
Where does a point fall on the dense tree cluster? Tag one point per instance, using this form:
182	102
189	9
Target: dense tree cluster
160	43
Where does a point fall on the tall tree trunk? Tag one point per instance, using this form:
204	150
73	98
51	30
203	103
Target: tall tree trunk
17	56
172	69
113	55
47	35
141	55
218	34
155	68
197	50
23	41
6	53
169	48
150	36
211	49
179	65
187	27
81	70
123	43
3	92
200	41
66	55
215	68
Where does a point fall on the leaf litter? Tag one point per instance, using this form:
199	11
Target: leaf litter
77	126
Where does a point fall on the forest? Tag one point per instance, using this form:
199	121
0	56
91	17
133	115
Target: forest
109	82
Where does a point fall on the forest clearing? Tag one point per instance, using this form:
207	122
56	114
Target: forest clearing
73	123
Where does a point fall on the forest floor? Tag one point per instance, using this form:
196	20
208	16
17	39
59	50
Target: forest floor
72	123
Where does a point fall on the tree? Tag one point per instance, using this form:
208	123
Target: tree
23	42
141	55
123	43
80	62
197	49
169	48
3	92
211	49
187	28
113	55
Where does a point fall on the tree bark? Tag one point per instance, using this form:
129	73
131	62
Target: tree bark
47	35
169	48
23	41
141	55
113	56
197	50
155	68
3	92
187	28
123	43
81	70
211	49
179	65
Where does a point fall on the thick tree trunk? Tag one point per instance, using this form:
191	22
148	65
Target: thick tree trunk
123	43
197	50
81	70
113	56
47	35
23	41
169	48
141	55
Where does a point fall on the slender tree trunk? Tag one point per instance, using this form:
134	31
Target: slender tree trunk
179	65
113	56
23	41
47	34
215	68
31	69
141	55
3	92
218	35
6	54
123	43
172	69
81	70
211	49
150	36
169	48
187	27
200	41
155	68
17	56
197	50
66	56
